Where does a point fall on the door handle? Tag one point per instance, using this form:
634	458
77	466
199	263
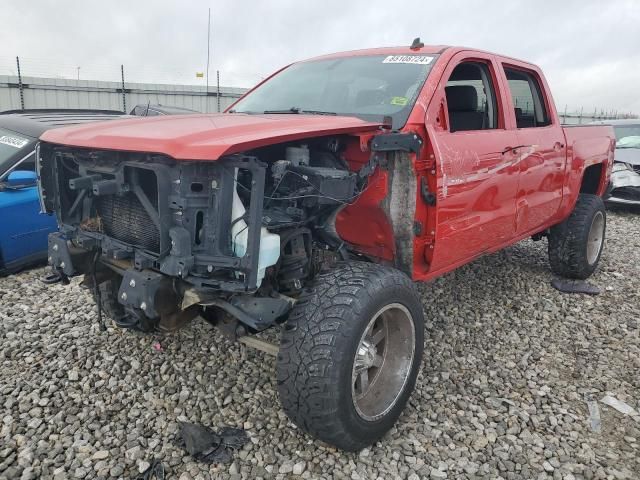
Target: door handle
558	146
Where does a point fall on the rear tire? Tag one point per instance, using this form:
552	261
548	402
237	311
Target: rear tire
350	354
575	245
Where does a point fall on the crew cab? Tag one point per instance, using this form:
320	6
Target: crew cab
313	204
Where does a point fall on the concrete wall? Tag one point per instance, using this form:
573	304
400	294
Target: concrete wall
64	93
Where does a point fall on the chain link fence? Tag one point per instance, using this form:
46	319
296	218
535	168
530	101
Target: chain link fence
27	83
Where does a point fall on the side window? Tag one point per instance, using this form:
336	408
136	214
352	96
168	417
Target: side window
528	102
471	98
28	164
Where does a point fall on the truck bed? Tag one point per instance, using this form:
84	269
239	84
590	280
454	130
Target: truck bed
589	145
589	150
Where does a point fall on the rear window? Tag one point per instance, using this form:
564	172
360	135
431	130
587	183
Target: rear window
528	102
13	147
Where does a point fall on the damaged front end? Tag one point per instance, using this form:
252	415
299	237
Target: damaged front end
624	188
160	227
167	240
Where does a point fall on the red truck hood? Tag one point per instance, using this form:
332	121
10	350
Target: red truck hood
202	137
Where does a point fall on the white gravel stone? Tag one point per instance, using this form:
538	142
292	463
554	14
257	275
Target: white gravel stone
143	465
299	467
100	455
285	468
437	474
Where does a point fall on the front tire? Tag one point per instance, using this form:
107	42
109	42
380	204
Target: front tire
575	245
350	354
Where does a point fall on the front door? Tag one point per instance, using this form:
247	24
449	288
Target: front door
476	165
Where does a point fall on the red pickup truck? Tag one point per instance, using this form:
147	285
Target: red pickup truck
312	204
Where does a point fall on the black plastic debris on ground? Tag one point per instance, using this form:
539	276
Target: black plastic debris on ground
51	278
574	286
207	446
154	472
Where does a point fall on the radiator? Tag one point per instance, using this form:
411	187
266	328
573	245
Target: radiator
125	219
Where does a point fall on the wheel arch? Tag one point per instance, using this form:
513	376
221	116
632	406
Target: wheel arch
593	180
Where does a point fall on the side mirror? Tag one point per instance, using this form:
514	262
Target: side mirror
22	178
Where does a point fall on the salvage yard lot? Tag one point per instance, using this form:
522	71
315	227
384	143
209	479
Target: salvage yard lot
508	365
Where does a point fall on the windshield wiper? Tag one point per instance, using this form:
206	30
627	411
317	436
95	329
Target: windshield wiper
317	112
290	110
298	110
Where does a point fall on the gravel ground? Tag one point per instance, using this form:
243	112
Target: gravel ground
509	363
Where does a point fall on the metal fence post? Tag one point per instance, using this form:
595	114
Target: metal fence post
124	97
20	87
218	91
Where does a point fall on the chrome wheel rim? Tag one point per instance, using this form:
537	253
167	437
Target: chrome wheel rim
595	238
382	363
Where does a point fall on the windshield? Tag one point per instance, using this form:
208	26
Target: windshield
13	147
370	87
627	136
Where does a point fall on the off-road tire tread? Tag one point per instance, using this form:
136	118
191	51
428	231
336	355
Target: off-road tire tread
311	348
109	300
567	240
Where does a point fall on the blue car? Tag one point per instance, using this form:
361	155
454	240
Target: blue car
23	230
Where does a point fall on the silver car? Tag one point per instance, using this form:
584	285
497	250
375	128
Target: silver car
624	188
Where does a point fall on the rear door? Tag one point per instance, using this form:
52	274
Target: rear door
476	172
541	149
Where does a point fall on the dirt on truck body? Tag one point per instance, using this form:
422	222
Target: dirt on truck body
313	203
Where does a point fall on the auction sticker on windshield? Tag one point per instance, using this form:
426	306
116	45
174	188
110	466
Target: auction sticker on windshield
399	101
14	142
415	59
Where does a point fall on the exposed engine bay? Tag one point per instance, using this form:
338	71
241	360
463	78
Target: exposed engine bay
242	234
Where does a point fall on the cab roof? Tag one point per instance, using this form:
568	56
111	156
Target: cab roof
407	50
401	50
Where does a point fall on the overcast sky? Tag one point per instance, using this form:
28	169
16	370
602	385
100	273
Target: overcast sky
589	49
